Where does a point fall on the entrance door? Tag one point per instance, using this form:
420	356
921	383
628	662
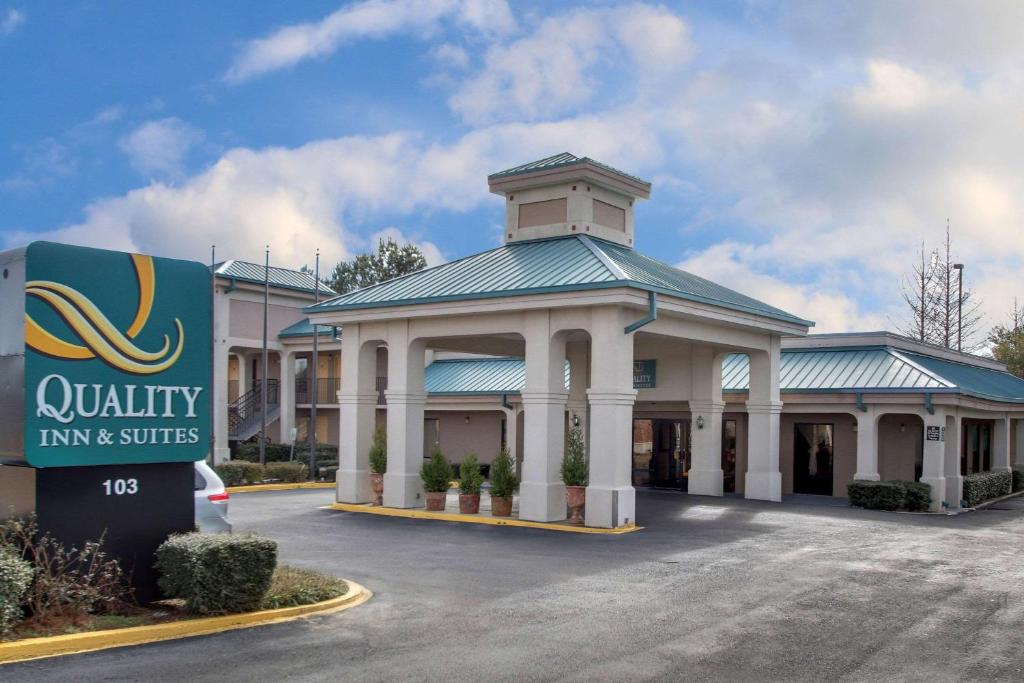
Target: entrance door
812	459
660	453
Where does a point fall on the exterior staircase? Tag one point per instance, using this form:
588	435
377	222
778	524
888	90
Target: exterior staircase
244	413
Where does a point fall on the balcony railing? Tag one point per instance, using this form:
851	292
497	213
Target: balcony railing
326	390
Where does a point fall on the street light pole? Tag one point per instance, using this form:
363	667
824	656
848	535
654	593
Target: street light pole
960	308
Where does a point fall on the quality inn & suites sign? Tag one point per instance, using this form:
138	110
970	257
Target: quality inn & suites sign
117	358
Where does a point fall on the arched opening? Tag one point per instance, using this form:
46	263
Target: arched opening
900	447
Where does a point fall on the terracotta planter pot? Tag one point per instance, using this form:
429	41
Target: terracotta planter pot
469	503
575	498
377	484
501	506
436	500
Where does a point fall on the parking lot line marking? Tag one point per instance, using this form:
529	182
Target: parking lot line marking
476	519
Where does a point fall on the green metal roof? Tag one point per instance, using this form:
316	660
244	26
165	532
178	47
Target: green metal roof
558	264
864	369
479	376
559	161
279	277
304	328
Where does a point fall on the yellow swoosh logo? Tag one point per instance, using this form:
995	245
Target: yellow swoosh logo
99	336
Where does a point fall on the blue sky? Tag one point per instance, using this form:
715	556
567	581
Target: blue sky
800	152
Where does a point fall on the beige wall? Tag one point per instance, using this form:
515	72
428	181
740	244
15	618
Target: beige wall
844	455
481	436
247	319
672	368
899	451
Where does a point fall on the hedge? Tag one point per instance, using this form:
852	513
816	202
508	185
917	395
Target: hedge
239	473
217	573
1018	480
326	454
985	486
288	472
889	495
15	578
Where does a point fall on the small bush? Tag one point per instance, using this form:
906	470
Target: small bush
436	473
876	495
217	573
291	586
379	451
15	577
504	480
470	478
328	473
1018	480
287	472
985	486
917	497
574	462
239	473
273	452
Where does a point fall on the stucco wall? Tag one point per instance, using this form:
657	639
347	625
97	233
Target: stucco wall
672	368
844	449
899	451
482	435
247	319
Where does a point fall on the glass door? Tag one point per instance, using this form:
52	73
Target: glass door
812	459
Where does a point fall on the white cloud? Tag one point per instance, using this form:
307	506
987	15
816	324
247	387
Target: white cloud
158	148
10	21
369	19
555	68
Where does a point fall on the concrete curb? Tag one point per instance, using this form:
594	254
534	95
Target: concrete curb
253	488
53	646
476	519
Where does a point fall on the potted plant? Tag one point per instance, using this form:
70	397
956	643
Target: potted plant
504	483
574	475
470	480
378	464
436	475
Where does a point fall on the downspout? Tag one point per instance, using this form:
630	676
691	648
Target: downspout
928	403
231	286
860	403
504	402
652	314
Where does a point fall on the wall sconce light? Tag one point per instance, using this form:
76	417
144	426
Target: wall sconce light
575	420
903	427
854	427
700	422
467	419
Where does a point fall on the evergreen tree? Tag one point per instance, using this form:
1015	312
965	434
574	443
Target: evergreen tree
388	262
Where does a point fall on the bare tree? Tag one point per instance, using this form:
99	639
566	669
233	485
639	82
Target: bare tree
918	290
951	328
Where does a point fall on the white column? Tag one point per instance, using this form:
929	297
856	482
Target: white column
867	445
764	480
611	499
405	397
286	395
542	494
706	406
1001	445
933	464
954	479
358	400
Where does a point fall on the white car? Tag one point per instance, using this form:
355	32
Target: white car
211	501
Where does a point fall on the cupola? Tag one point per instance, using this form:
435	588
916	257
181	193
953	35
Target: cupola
568	195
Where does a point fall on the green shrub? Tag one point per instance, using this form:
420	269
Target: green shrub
1018	480
379	451
504	480
291	586
287	472
876	495
274	452
436	473
917	497
328	473
239	472
217	573
15	577
574	462
470	477
985	486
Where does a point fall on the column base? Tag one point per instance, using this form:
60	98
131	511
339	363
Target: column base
610	508
403	490
354	486
221	455
867	476
938	486
705	482
954	491
763	486
542	502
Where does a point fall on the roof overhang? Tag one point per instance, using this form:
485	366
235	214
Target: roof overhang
584	170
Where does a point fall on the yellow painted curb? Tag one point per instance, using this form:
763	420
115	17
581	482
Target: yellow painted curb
74	643
281	487
476	519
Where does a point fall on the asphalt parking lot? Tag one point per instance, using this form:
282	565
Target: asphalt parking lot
711	589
